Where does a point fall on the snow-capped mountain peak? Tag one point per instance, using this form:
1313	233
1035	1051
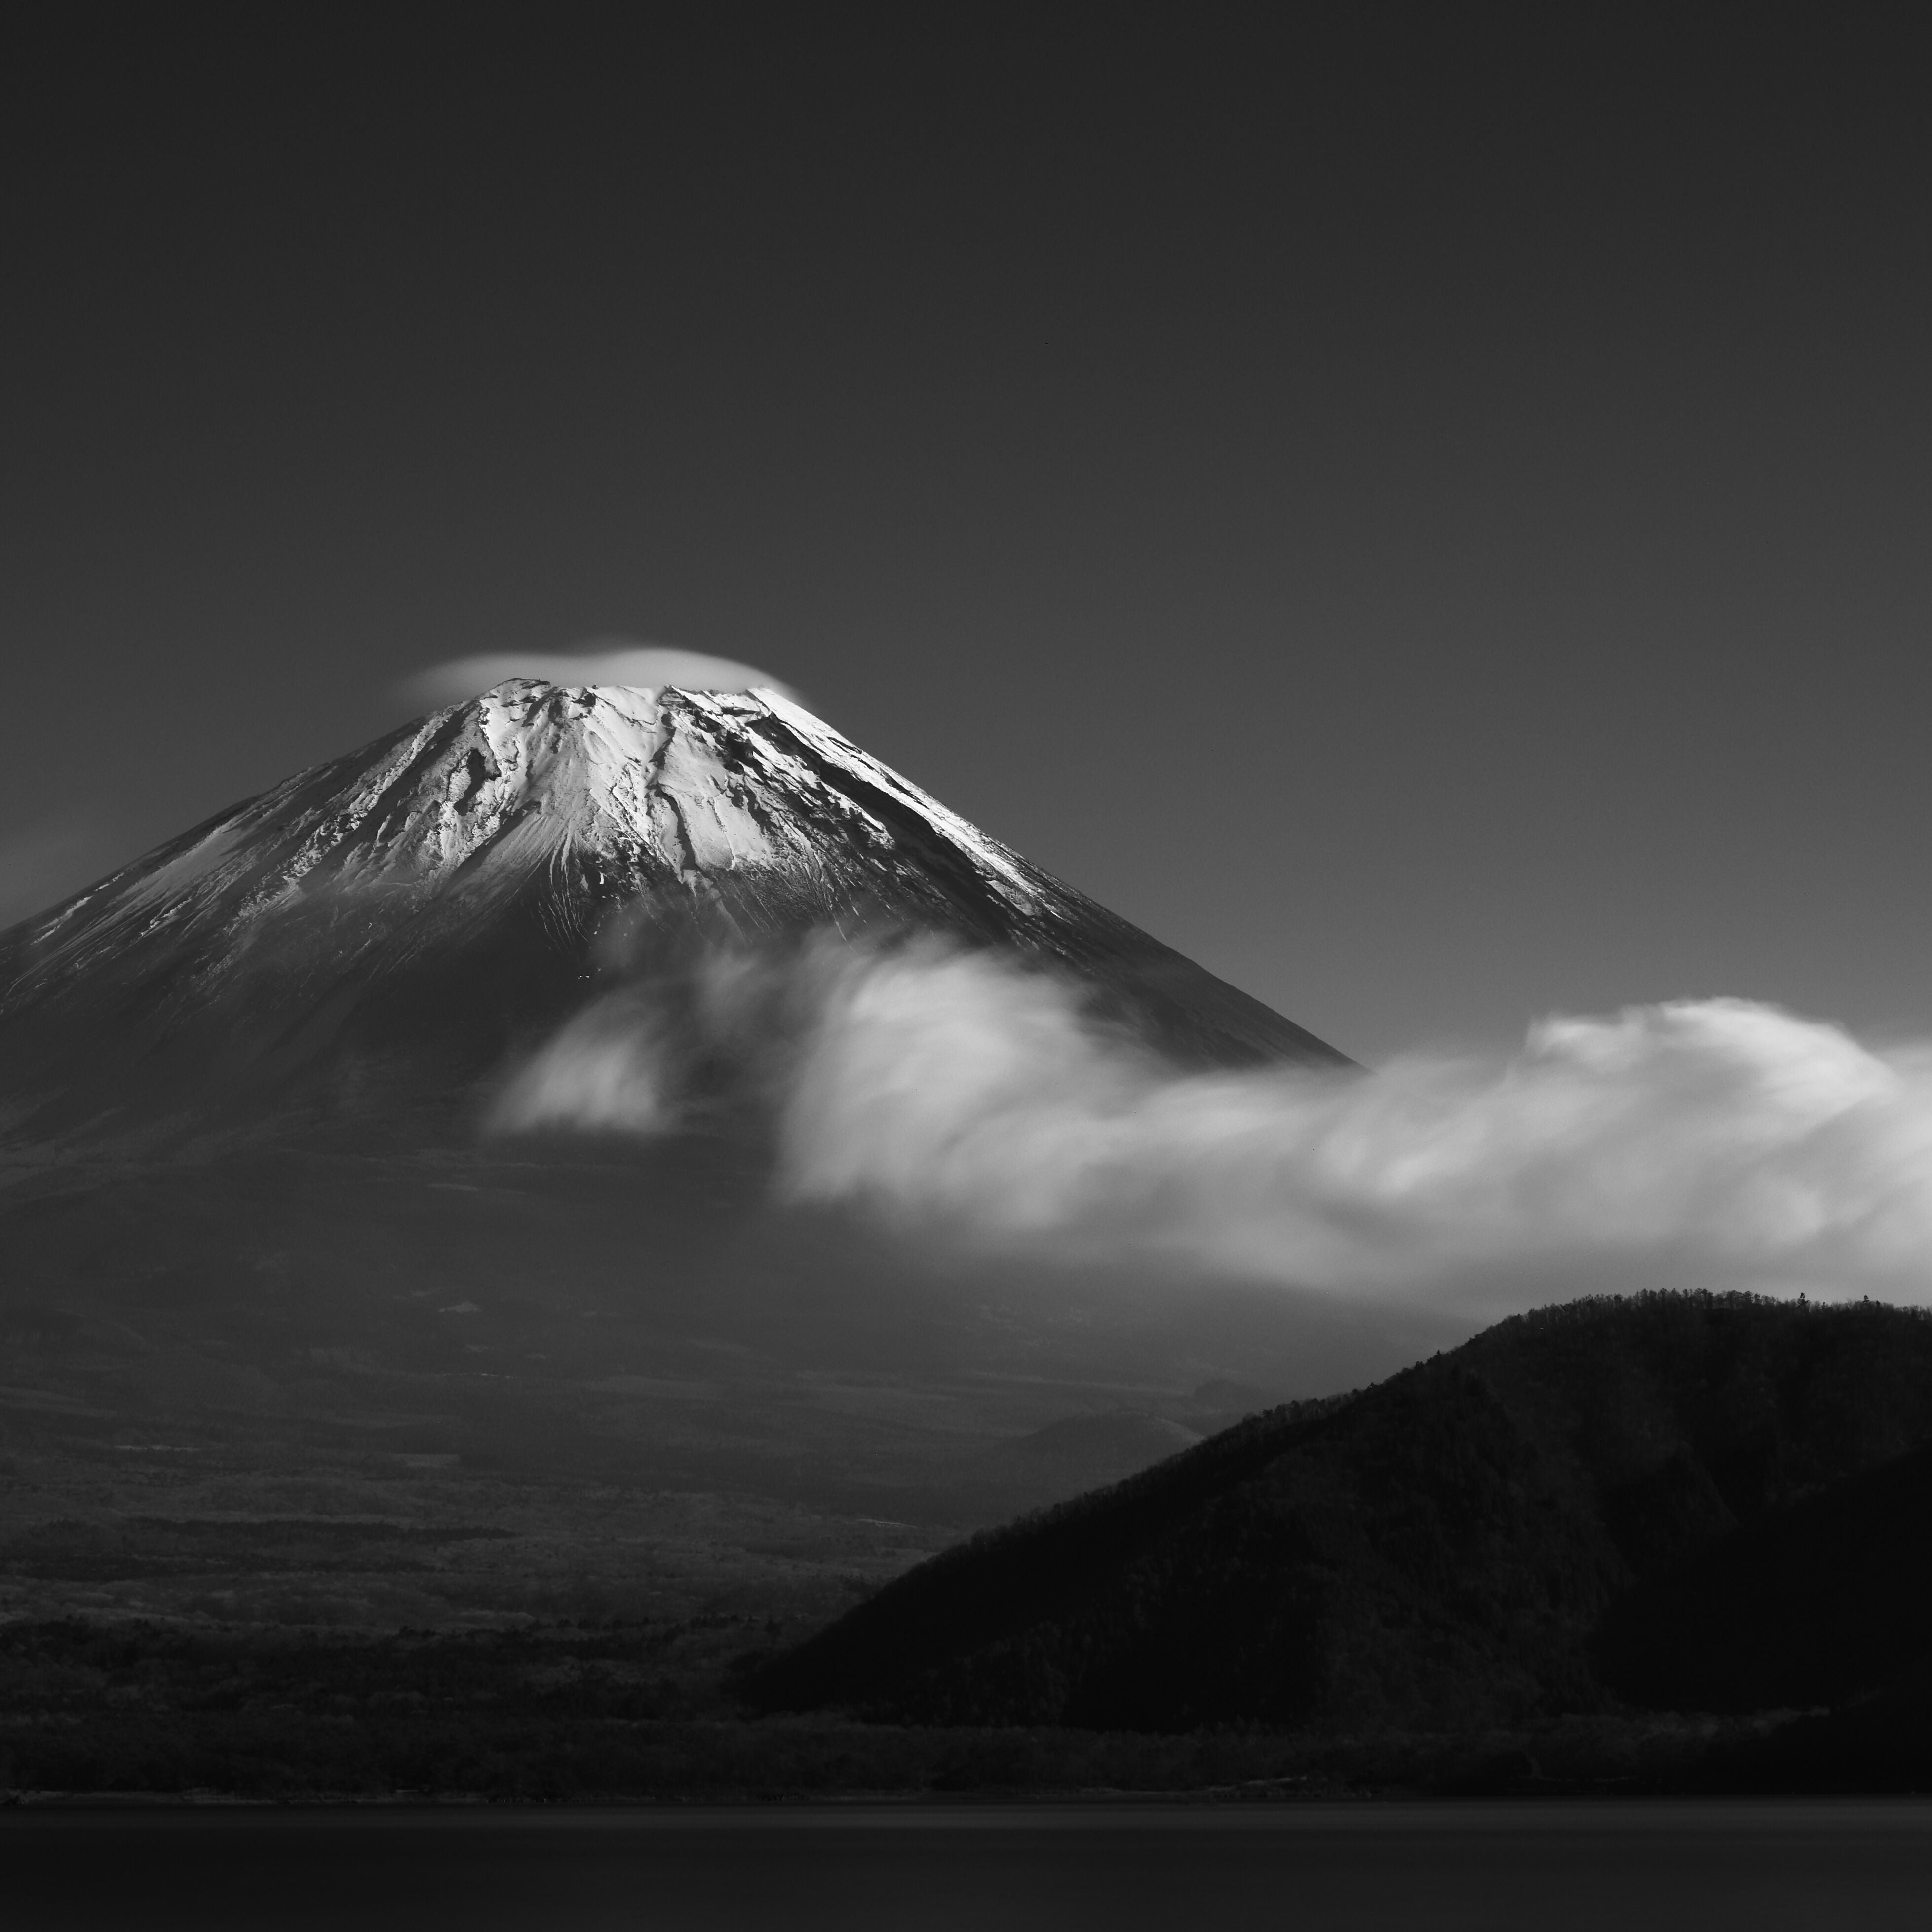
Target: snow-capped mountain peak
453	879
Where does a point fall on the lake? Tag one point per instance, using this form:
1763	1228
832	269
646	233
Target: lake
1566	1867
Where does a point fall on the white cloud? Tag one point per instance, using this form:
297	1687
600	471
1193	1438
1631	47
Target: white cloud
1712	1143
599	661
603	1072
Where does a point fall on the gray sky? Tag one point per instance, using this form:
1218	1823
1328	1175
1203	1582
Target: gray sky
1425	512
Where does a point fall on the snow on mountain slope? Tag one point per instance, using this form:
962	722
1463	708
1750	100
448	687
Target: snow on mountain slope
433	898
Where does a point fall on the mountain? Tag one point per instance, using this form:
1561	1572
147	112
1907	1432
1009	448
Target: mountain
380	931
1695	1501
1814	1604
264	1262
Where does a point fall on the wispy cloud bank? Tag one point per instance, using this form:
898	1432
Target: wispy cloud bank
601	661
606	1071
1699	1143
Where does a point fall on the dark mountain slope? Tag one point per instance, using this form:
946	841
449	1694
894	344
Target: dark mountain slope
1439	1552
1816	1603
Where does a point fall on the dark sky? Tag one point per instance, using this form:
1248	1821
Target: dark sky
1425	509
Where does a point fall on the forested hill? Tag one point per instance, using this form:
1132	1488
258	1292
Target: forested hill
1444	1550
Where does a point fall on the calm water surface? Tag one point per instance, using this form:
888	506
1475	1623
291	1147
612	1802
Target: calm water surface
1569	1867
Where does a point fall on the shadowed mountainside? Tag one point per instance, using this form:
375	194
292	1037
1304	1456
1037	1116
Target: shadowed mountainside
664	1386
1812	1605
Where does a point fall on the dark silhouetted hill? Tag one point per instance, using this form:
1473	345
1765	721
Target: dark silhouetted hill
1693	1501
1816	1604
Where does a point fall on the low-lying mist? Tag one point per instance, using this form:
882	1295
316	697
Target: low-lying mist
1698	1143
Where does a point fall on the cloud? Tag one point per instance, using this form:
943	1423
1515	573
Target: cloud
600	661
1708	1143
605	1072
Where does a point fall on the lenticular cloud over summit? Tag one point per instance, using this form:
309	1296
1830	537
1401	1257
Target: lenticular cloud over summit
1709	1143
615	662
